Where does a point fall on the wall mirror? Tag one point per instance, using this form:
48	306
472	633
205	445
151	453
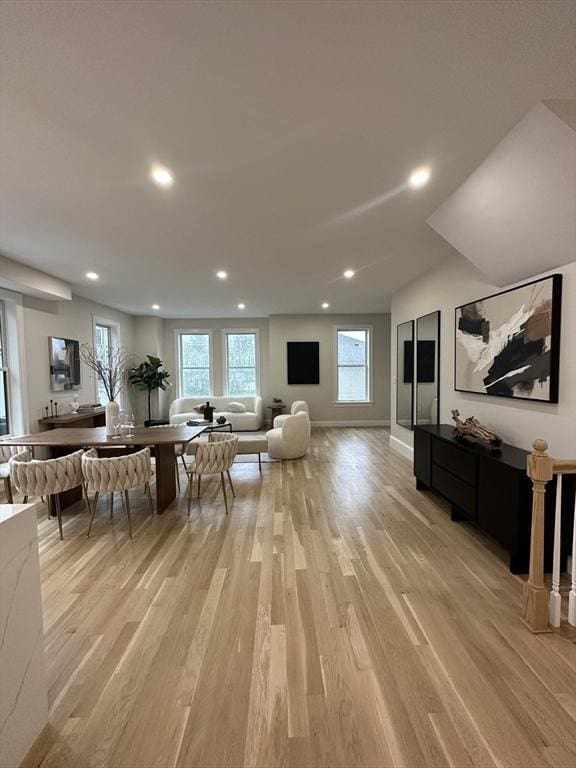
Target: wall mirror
427	379
404	373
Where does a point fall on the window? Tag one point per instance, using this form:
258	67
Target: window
352	363
103	344
4	410
194	356
240	362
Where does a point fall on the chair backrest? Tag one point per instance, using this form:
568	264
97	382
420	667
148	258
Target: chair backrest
299	406
7	451
116	473
33	477
217	455
296	430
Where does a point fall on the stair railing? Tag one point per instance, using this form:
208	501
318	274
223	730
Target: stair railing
542	608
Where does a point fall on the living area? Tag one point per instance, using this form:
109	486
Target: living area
287	404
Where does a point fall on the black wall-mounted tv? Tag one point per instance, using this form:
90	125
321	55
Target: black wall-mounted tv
303	362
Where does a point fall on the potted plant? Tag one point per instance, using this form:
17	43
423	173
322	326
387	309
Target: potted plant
148	377
111	366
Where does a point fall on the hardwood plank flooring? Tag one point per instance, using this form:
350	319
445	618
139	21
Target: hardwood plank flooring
336	618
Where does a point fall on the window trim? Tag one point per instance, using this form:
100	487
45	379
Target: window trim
5	368
369	364
225	332
178	357
115	338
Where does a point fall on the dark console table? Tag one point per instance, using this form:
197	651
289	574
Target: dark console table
489	488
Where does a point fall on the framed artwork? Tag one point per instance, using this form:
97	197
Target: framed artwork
64	363
508	344
303	362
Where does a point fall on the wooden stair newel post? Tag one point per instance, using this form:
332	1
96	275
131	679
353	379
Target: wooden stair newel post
535	608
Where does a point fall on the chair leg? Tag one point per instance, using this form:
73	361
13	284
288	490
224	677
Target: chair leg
94	502
127	508
85	496
224	491
8	491
184	463
259	462
231	485
199	476
190	482
177	477
111	505
59	515
149	494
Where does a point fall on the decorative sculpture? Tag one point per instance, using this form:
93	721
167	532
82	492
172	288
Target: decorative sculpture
471	427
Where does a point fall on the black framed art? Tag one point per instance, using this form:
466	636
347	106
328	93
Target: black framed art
508	344
303	362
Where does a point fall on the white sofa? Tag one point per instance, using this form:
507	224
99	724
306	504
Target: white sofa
291	440
296	407
182	410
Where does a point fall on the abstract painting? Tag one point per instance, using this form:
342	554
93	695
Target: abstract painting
508	344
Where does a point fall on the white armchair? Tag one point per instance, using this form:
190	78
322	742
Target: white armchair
298	406
291	440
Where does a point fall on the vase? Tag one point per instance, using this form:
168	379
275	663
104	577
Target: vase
112	411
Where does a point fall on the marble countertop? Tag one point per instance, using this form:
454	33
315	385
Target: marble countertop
8	511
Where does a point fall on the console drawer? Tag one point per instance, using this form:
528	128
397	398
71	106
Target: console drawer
460	463
454	490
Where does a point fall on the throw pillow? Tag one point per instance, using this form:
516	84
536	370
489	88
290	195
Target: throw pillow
199	408
236	408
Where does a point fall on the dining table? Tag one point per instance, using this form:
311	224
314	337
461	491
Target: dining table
161	440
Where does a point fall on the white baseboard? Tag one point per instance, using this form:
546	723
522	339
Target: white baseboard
363	423
402	448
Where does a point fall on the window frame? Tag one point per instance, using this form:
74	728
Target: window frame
368	365
193	332
115	338
5	369
240	331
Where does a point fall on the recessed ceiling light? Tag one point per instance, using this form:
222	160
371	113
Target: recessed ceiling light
222	274
155	306
349	273
325	305
241	306
162	176
419	178
91	275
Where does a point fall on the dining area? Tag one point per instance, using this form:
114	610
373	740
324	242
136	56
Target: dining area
85	463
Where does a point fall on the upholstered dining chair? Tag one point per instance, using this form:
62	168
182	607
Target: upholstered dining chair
179	450
49	477
6	453
117	473
213	458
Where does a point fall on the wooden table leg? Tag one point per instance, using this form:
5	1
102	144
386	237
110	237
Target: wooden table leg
165	476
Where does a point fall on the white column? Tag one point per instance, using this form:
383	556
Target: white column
572	595
555	605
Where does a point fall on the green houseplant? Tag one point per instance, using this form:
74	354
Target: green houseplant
148	377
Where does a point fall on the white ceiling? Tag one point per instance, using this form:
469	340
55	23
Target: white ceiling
277	119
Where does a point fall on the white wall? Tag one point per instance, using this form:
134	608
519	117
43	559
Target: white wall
73	320
153	335
453	282
514	215
321	398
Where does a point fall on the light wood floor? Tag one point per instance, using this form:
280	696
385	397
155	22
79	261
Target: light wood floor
336	618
